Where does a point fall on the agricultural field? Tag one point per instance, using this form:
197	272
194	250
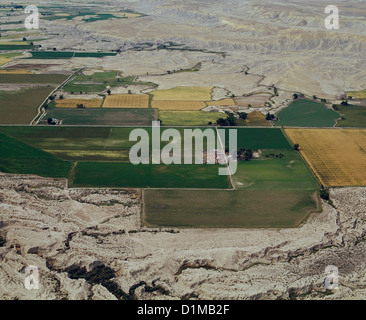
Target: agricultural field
188	118
354	116
7	57
228	209
178	105
99	81
33	78
88	16
337	156
254	119
19	157
126	101
73	103
221	103
183	93
102	159
278	187
15	47
19	35
69	55
101	116
307	113
256	100
20	107
357	94
16	71
260	138
114	174
275	170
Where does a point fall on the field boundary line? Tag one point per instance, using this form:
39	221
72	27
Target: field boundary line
231	180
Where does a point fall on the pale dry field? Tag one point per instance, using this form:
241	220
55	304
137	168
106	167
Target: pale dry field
338	157
255	100
179	105
221	103
126	101
72	103
16	71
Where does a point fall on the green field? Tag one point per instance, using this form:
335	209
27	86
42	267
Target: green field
227	209
188	118
99	81
99	116
18	157
9	47
79	143
112	174
20	107
68	55
33	78
306	113
354	116
259	138
271	192
272	172
102	154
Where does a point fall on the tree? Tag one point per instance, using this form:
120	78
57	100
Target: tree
296	96
315	97
61	96
344	103
296	146
129	92
248	154
109	92
52	98
323	100
270	117
243	115
324	194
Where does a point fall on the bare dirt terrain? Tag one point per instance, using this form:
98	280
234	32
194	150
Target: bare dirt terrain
52	227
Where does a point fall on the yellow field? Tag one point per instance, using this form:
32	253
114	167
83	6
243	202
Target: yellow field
172	105
126	101
223	103
256	118
5	58
16	71
184	93
357	94
72	103
14	43
338	157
